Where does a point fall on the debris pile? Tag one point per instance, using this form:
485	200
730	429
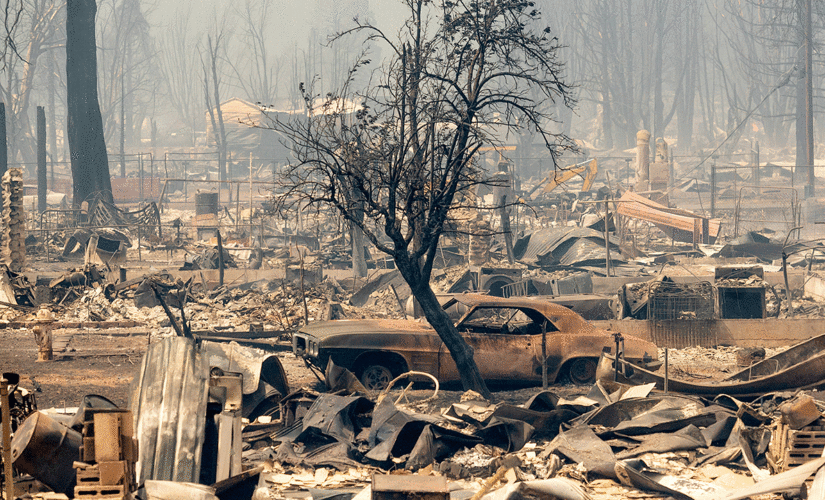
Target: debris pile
277	303
217	420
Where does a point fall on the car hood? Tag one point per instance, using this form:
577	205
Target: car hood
327	329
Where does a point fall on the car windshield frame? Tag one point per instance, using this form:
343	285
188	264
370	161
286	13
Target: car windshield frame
532	313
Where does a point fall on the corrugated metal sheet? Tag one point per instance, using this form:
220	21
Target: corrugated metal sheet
637	207
168	399
567	246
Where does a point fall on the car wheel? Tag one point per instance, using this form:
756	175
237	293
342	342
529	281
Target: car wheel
582	371
376	377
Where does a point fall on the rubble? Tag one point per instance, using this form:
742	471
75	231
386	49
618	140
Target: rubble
651	443
794	368
243	432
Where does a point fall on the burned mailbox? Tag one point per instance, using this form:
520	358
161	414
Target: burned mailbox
740	292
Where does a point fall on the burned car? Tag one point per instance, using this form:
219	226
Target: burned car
505	334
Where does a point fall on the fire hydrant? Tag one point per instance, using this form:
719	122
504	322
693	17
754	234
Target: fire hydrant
43	335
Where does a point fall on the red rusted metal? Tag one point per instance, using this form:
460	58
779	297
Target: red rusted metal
503	350
678	223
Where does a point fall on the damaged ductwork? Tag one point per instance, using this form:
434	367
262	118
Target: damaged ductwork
13	242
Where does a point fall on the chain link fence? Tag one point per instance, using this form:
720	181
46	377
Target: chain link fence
764	207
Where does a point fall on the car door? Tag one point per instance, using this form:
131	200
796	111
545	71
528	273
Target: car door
504	345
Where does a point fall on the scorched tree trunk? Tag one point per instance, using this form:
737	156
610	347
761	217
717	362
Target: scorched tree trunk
87	148
438	318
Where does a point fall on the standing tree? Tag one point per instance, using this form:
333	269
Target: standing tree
37	36
178	67
257	71
90	163
128	78
210	73
401	153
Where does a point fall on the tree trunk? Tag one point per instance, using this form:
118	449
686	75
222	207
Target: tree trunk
800	116
809	116
41	160
461	352
222	146
504	212
658	64
87	148
4	150
359	258
688	95
52	129
629	105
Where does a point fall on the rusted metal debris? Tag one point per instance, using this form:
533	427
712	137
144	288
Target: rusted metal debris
565	246
800	367
192	399
47	450
496	328
681	225
103	213
178	381
617	441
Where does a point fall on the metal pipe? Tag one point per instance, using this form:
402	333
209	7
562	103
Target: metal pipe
713	189
41	159
250	187
140	175
220	259
618	339
666	369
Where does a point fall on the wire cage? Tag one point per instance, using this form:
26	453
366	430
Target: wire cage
681	314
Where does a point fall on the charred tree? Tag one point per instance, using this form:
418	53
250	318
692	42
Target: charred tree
407	143
35	32
210	74
688	41
4	150
41	160
87	148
